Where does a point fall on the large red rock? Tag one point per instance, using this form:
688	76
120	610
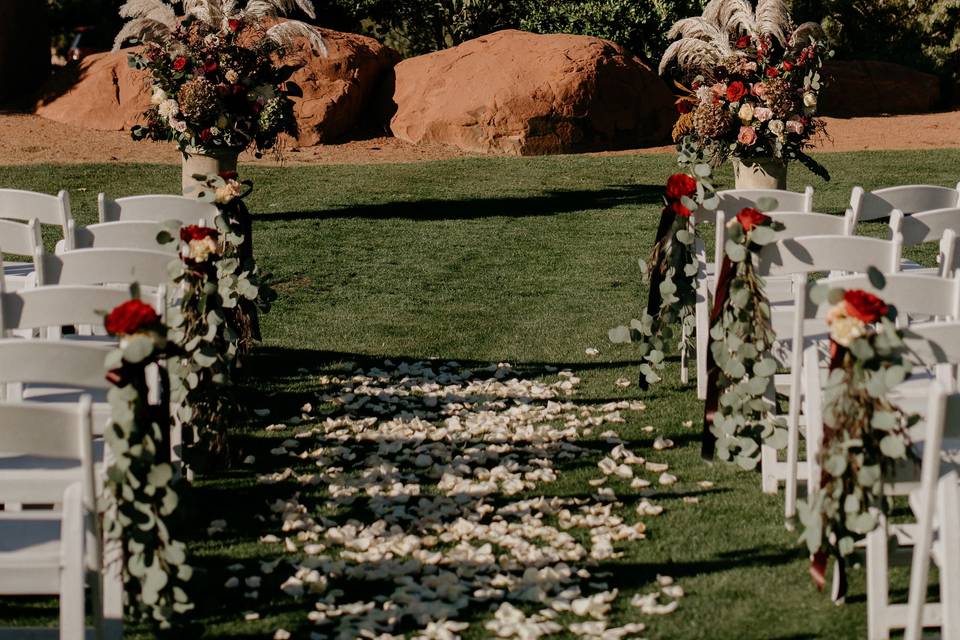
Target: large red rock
869	87
339	90
520	93
103	93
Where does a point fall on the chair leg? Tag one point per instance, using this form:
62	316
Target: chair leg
877	587
113	590
768	470
703	339
949	509
73	571
96	599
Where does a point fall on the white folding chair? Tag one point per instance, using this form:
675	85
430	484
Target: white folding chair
799	258
23	239
51	551
24	206
156	208
104	267
908	199
937	507
136	234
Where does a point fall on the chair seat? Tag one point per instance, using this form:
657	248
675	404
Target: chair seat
69	396
18	275
37	478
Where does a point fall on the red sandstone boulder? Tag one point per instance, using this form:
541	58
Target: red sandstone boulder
868	87
520	93
338	90
104	94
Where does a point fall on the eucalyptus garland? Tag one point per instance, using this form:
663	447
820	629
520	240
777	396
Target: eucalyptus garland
740	413
671	273
142	492
865	436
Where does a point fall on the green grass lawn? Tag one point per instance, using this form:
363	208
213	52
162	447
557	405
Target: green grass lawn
528	261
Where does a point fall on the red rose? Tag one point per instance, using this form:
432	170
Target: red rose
234	24
750	218
865	306
772	72
743	42
678	209
228	175
679	185
736	91
179	63
683	106
130	317
194	232
206	135
787	65
209	65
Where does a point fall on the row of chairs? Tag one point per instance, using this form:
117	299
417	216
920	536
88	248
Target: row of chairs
815	249
53	391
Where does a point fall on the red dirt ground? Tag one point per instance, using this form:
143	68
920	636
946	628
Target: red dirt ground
29	139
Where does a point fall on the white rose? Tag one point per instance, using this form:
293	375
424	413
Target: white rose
763	114
159	95
228	192
810	99
178	125
214	131
746	113
846	330
776	127
231	76
200	250
795	126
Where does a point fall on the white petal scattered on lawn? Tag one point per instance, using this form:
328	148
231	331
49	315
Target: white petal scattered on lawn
281	634
276	427
216	526
667	479
688	423
705	484
262	413
691	500
249	460
422	466
662	443
623	383
232	583
591	351
250	616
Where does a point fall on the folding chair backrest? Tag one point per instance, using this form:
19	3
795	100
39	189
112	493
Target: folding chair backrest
139	234
27	205
911	294
62	305
811	254
53	362
932	343
909	199
104	266
20	238
157	208
733	201
796	224
926	226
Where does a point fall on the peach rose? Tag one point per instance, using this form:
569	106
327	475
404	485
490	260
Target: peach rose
748	136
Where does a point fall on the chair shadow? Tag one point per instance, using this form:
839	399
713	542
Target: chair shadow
550	203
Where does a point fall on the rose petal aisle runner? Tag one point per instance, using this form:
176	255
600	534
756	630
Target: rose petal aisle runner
433	522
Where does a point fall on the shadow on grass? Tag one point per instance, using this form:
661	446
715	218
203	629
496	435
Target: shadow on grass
552	202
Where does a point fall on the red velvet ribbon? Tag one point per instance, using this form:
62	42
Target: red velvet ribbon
818	561
708	445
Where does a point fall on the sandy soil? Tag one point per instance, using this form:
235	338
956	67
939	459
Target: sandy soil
29	139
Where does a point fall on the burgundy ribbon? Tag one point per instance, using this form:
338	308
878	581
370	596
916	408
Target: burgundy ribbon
708	446
818	561
654	297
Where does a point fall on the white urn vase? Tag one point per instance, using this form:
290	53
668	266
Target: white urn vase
206	162
760	173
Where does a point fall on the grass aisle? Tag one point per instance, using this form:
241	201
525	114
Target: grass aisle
485	261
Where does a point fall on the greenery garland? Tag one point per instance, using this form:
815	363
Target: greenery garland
671	273
865	436
142	491
741	340
221	290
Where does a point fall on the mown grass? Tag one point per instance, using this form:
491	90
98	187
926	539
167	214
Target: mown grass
528	261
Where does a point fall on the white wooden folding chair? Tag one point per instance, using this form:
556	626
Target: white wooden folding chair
104	266
135	234
799	258
156	208
52	551
937	507
24	206
908	199
22	239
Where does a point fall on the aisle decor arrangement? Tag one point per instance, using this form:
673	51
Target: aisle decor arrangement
751	84
671	274
221	293
864	435
142	492
218	83
740	412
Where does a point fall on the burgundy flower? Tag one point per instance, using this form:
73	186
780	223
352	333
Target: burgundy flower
787	65
209	65
735	91
865	306
195	232
130	317
679	185
206	135
750	218
179	63
743	42
234	24
678	209
772	72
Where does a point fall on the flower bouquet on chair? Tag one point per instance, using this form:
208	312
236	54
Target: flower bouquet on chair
218	84
751	85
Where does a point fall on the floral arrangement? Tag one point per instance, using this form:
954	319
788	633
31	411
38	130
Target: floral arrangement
217	83
864	434
750	89
142	491
672	275
739	413
212	325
